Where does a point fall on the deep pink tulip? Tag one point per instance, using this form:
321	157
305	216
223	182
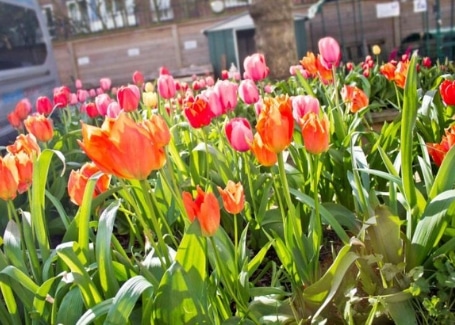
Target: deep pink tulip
138	78
214	101
43	105
105	83
304	104
248	91
239	134
61	96
128	98
255	67
163	70
78	83
224	74
73	99
82	95
227	92
330	52
166	86
92	93
102	101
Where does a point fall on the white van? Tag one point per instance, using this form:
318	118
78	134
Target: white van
27	65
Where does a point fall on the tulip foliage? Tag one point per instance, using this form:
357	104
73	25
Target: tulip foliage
235	201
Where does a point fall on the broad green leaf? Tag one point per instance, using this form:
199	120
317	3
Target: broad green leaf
13	246
10	302
103	253
42	296
319	294
430	228
71	254
258	258
72	307
32	253
126	298
445	178
400	308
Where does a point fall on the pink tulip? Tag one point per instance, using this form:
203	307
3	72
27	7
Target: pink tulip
248	91
138	78
102	101
78	83
92	93
302	105
255	67
239	134
209	82
214	101
113	110
82	95
73	99
105	83
227	92
61	96
330	52
294	68
166	86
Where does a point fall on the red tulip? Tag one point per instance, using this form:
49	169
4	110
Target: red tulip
330	52
447	91
205	208
23	108
255	67
197	111
14	120
248	91
239	134
43	105
61	96
128	98
138	78
91	110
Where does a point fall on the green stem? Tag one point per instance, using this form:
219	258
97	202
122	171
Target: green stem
246	162
236	242
315	224
285	186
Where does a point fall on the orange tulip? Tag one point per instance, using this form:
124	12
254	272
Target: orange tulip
24	165
308	62
401	73
388	70
205	208
315	133
275	123
158	127
123	148
78	181
40	126
14	120
264	156
26	143
354	98
233	197
438	151
325	74
9	178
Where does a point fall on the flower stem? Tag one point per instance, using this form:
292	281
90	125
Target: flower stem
315	223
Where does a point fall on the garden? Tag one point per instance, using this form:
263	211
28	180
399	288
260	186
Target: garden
239	200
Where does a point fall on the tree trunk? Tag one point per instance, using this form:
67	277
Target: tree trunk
275	35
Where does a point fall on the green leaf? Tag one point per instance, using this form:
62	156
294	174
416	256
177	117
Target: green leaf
319	294
42	296
103	253
445	178
126	298
73	305
258	258
13	246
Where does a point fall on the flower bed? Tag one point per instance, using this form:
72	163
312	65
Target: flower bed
212	202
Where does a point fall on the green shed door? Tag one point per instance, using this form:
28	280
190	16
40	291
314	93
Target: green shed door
300	37
222	50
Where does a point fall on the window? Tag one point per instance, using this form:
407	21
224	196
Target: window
21	39
162	10
79	15
236	3
48	14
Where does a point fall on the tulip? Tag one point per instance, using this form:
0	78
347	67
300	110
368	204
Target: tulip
23	108
376	49
248	91
227	92
78	84
255	67
14	120
163	70
224	74
24	165
294	68
197	111
9	178
330	52
113	110
123	148
401	73
82	95
233	197
263	155
354	98
44	105
61	96
447	91
105	84
426	62
315	133
239	134
92	93
138	78
150	99
214	101
166	86
205	208
276	124
325	74
40	126
25	143
304	104
209	82
158	127
128	98
78	181
308	62
91	110
73	99
102	102
438	151
149	87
